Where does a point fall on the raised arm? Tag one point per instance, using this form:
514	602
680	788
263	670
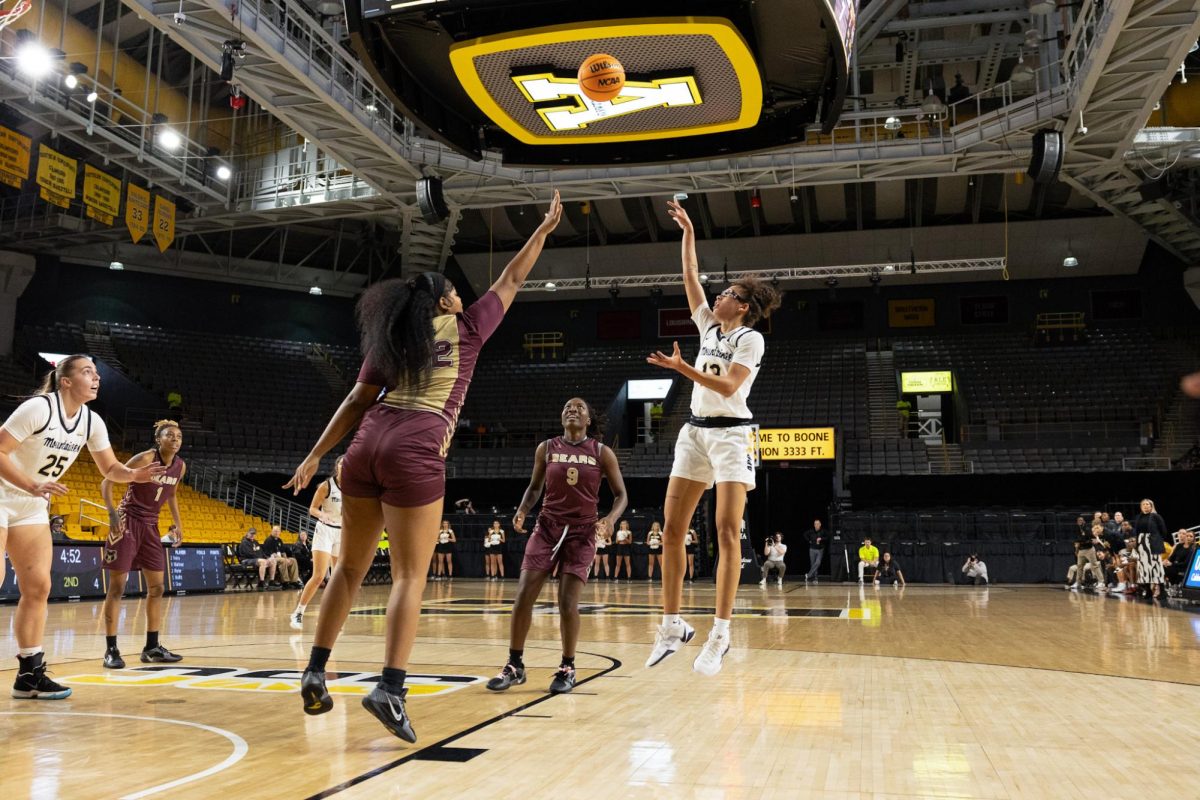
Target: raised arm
537	482
724	385
691	264
510	280
616	483
112	469
360	398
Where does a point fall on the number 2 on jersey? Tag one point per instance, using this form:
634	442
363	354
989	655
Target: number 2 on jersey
572	476
54	466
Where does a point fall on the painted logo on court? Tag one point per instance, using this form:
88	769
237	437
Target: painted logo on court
240	679
576	111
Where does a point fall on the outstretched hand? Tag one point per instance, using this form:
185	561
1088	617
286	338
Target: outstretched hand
303	475
553	215
660	359
677	212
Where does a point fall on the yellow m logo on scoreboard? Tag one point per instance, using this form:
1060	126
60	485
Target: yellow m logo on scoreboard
576	111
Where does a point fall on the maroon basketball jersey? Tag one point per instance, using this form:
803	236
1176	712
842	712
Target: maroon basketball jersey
145	500
572	480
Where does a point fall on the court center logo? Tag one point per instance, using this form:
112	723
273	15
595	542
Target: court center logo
240	679
563	106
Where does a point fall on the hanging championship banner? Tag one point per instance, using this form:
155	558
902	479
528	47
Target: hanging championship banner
137	212
14	157
164	222
56	175
101	194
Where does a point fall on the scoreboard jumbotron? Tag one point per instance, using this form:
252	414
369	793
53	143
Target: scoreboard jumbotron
726	78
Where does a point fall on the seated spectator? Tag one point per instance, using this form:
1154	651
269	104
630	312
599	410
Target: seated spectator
287	567
975	570
250	553
302	552
868	556
1110	525
1125	563
58	528
774	552
172	538
1181	557
889	571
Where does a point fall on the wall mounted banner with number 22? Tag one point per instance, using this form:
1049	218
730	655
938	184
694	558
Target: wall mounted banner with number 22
164	223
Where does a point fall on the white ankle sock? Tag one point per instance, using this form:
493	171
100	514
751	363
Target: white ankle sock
26	652
720	626
672	619
300	608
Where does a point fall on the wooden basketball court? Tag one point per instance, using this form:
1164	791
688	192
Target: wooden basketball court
830	692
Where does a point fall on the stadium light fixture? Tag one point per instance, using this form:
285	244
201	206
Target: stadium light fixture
550	286
170	139
92	96
34	60
224	173
116	265
315	291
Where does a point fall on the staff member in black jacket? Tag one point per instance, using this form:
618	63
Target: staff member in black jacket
250	553
815	537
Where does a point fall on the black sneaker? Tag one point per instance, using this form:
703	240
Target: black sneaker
564	680
508	676
36	685
388	708
112	659
260	586
313	692
159	655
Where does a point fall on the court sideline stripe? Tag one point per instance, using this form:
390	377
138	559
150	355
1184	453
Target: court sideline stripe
240	748
366	776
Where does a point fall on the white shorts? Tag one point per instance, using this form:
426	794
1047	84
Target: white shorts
715	455
327	540
23	509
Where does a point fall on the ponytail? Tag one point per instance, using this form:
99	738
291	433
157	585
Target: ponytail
395	323
761	297
61	370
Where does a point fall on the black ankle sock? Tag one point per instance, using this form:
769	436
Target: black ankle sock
393	679
151	640
110	642
317	658
568	662
514	658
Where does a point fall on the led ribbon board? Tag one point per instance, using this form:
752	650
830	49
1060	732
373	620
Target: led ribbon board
685	76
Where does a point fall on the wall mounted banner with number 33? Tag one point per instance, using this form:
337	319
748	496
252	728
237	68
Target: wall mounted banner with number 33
137	212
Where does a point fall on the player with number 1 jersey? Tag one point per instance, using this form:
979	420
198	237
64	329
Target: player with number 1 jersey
133	542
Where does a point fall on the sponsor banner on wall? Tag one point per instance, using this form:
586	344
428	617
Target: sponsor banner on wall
675	322
911	313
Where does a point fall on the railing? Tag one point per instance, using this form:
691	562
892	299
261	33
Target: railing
321	352
951	467
1058	320
1020	431
1084	33
1146	464
87	508
545	343
249	499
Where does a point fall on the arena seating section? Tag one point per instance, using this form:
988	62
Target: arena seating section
204	518
258	404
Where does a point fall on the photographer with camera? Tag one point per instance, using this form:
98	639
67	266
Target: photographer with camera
1088	545
975	570
774	551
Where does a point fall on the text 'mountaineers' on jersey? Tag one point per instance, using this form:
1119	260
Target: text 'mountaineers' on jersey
50	443
718	352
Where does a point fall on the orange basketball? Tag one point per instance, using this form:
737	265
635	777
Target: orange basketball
601	77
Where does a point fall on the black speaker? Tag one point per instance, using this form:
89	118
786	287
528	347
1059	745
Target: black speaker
431	201
1047	157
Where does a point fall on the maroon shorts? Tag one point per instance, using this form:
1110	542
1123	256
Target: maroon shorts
572	546
398	457
134	545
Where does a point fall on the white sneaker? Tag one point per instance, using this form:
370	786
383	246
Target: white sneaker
779	583
1074	587
296	620
712	654
763	583
1120	587
669	639
860	581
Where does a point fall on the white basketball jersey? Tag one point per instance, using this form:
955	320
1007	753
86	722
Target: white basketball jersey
718	352
50	443
331	507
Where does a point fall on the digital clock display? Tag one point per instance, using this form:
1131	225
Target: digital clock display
76	572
